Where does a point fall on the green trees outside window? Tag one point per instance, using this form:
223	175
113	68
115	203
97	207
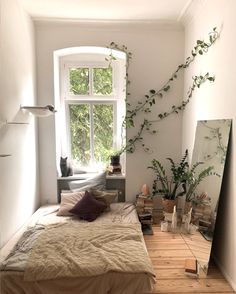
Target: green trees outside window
102	81
91	124
79	81
80	84
91	137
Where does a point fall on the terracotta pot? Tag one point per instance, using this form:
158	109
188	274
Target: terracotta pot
168	205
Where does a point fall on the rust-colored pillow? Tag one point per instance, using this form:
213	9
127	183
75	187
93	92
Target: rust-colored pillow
88	208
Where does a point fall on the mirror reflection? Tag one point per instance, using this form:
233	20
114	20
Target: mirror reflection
210	148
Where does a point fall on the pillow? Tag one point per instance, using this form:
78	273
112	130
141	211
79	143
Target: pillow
68	200
88	208
105	196
97	182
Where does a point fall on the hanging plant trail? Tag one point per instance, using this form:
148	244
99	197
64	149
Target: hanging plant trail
149	99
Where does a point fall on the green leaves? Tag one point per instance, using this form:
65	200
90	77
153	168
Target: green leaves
145	105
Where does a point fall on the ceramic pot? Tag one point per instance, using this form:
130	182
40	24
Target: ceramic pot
168	205
115	166
115	160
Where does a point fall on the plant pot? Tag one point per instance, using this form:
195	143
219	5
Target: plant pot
115	166
115	160
168	205
187	206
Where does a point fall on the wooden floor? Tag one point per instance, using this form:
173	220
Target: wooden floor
168	253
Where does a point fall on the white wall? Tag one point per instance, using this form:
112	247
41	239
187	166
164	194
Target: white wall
18	173
157	50
216	101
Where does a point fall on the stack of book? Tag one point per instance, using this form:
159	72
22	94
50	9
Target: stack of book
191	268
144	206
145	218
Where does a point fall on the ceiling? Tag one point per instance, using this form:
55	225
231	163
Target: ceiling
119	10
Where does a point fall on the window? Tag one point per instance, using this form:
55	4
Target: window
92	95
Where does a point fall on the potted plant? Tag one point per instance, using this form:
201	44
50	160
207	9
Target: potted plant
192	179
115	166
169	186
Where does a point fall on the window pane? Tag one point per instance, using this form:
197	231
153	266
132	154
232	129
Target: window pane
79	81
80	133
103	131
102	81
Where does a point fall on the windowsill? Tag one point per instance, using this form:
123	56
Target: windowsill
88	175
116	176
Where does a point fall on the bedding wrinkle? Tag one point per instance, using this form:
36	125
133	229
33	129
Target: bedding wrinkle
90	253
67	255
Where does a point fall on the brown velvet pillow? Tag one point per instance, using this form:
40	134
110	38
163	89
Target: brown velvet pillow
88	208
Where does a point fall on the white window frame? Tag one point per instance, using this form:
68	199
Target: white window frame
116	98
90	103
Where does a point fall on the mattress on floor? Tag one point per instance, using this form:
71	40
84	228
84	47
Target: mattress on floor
122	216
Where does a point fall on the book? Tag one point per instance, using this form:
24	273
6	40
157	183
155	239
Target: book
191	267
192	275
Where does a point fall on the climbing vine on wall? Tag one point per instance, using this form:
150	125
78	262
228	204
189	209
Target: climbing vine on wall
145	104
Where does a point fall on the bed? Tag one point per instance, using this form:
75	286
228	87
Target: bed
67	255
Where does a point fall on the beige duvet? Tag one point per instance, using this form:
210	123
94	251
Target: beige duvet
99	257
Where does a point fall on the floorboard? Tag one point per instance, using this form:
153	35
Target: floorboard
168	253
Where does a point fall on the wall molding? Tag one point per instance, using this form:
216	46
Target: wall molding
128	24
191	10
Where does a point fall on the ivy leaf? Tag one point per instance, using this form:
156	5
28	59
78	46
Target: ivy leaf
166	88
152	91
211	79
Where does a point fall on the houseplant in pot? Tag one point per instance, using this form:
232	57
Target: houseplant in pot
170	187
114	165
191	179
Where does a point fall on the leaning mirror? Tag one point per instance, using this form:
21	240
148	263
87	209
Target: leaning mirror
210	148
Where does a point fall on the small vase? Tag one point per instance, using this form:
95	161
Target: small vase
168	205
187	206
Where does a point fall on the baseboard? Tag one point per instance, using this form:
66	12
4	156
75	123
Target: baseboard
225	274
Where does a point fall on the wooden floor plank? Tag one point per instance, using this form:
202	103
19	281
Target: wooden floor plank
179	273
168	252
166	245
189	285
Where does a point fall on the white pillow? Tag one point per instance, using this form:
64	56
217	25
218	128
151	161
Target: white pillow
68	201
97	182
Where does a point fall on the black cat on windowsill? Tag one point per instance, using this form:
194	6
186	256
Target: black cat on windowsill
66	168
